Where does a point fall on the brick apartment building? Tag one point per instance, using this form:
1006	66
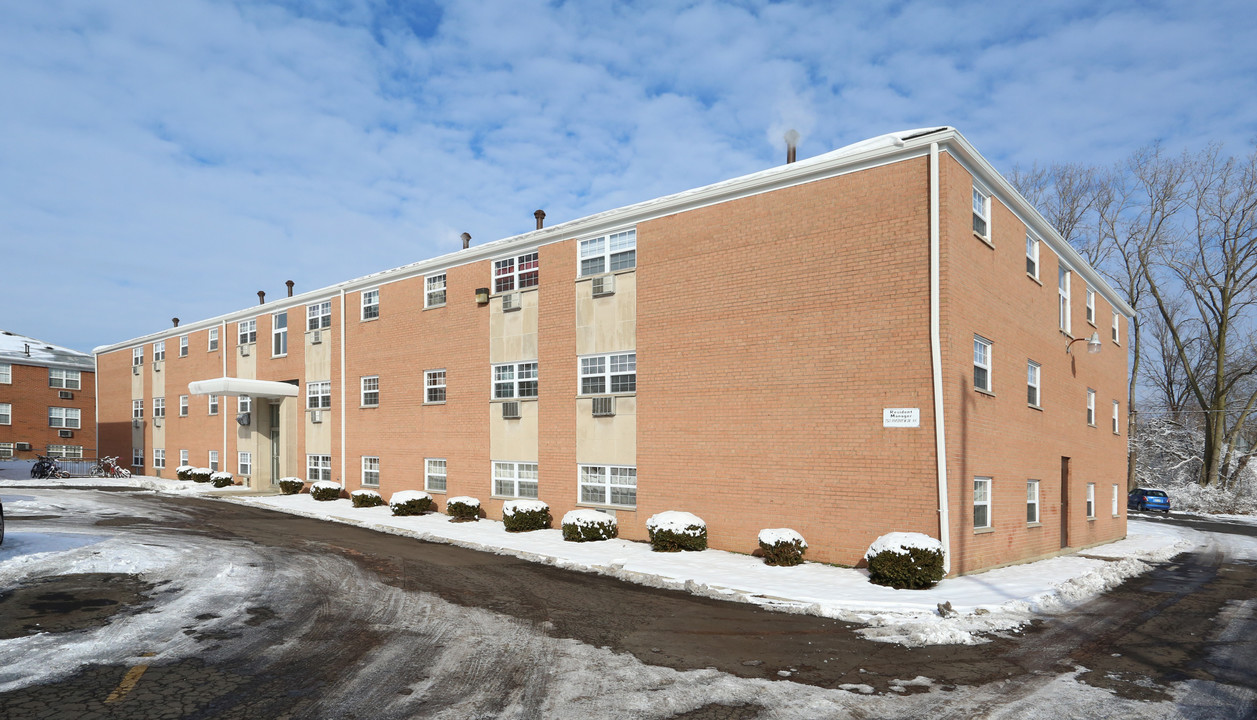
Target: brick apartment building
47	399
884	337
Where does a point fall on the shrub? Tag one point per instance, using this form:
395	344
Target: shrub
201	474
587	525
463	509
222	479
672	531
365	498
525	515
782	546
905	560
184	472
291	485
410	502
325	490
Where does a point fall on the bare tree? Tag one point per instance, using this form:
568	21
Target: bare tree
1064	194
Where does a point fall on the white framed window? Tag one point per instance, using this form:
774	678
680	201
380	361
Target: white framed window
981	213
183	348
183	457
6	414
319	395
614	373
60	417
159	351
1032	256
1033	374
213	339
434	474
1117	426
1091	306
137	356
1032	501
68	379
434	386
279	334
159	407
1091	500
1091	407
159	458
371	471
318	467
981	363
434	290
608	485
515	380
6	450
371	304
183	407
137	457
248	331
6	374
1062	290
137	409
66	451
1117	323
516	272
244	462
981	503
515	479
617	251
371	390
213	460
319	315
1115	495
244	404
213	404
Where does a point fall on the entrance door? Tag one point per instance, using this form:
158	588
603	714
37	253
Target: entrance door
1064	502
274	444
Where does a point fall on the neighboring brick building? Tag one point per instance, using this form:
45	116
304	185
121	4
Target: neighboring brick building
763	352
47	399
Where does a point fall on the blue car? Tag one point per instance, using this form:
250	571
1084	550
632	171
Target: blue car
1144	499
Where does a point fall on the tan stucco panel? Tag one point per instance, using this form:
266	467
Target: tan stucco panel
513	335
514	440
607	323
607	440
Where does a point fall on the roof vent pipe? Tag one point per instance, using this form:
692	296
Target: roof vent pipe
466	240
261	297
792	144
541	218
28	349
175	321
290	284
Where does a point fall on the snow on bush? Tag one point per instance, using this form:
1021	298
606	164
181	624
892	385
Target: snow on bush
410	502
1170	456
221	479
365	498
905	560
585	525
184	472
782	546
291	485
325	490
672	531
463	509
525	515
201	474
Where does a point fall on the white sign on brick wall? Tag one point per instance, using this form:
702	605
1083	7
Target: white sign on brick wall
901	417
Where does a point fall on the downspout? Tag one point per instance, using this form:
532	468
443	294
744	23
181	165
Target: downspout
222	410
343	406
96	399
936	363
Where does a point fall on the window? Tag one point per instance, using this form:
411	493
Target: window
248	331
434	290
6	374
1032	501
213	404
318	467
516	273
434	475
1091	407
613	252
159	351
137	409
244	404
6	451
183	346
371	390
1091	306
371	471
244	463
64	417
137	356
319	315
68	379
213	339
981	363
213	460
6	414
511	479
515	380
1032	383
617	372
1062	284
608	485
279	334
159	407
1117	323
1117	428
1091	500
1114	509
183	457
159	458
434	386
981	214
981	503
183	407
65	451
1032	256
370	304
319	395
137	457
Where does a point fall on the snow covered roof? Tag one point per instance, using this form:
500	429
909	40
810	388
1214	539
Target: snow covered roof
22	350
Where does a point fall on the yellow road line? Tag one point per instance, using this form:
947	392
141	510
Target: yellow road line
127	685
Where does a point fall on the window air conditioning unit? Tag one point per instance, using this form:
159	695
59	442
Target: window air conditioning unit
510	410
604	406
604	285
244	351
22	446
157	422
65	433
316	337
511	301
65	395
243	418
157	366
135	369
316	416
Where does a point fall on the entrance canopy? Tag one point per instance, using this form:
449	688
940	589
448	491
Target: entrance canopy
243	386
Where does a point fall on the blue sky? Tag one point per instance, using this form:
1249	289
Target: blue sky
162	159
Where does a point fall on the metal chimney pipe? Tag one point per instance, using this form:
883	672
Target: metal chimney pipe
290	284
466	240
175	321
261	297
541	218
792	144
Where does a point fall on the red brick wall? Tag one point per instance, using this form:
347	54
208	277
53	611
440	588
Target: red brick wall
30	396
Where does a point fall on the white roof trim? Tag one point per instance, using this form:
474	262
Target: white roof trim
243	386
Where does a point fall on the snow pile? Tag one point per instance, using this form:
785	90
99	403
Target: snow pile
781	536
512	507
676	521
901	543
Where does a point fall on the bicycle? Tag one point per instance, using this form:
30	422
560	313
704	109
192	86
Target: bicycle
46	467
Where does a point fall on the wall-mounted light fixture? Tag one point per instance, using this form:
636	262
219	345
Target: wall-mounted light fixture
482	296
1093	344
